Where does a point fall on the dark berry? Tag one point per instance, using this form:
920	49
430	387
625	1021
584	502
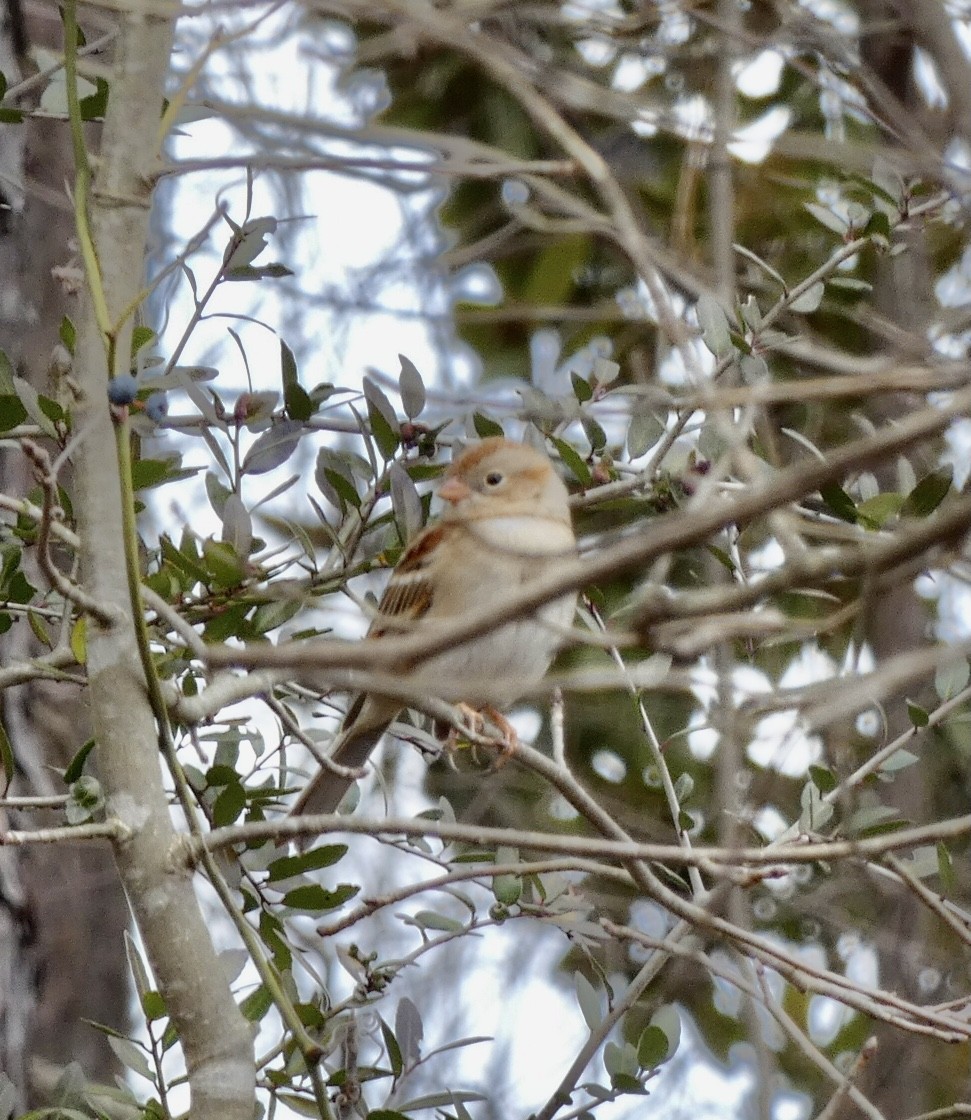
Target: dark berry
122	389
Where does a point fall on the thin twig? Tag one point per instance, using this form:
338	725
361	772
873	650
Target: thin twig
51	511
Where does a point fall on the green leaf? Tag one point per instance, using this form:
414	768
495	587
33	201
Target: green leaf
945	868
405	503
411	388
7	387
409	1030
75	767
317	898
221	774
288	866
256	1004
952	678
381	416
334	476
824	779
217	494
68	335
713	321
393	1049
296	399
274	271
51	408
815	811
485	427
899	760
627	1083
605	371
594	433
875	819
298	404
569	456
271	930
754	369
918	715
269	616
229	805
19	589
684	787
928	494
274	447
153	1007
839	502
39	629
140	336
875	512
186	557
30	399
146	473
590	1001
247	241
668	1021
652	1047
810	300
137	966
131	1056
94	107
507	889
11	412
878	225
827	218
428	919
581	388
224	568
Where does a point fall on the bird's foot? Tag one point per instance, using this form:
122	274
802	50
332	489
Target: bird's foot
480	723
509	741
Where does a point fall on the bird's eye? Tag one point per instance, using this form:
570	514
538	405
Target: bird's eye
493	478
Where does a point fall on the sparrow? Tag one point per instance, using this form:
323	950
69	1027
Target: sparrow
505	522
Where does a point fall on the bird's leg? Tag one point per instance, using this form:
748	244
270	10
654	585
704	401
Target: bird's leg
472	720
510	740
471	717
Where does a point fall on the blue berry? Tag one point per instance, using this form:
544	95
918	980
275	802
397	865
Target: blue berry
122	389
157	407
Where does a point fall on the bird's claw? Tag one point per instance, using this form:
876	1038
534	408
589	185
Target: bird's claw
478	723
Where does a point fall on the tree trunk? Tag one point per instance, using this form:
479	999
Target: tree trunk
62	911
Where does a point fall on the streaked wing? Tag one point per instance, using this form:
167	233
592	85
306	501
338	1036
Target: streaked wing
409	592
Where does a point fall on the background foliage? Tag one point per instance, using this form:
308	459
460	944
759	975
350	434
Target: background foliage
711	257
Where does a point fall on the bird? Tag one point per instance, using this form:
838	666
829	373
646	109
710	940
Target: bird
505	522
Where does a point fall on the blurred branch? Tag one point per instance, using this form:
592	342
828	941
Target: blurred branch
806	1046
710	859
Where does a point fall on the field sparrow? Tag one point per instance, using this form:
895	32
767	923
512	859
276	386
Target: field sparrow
506	522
